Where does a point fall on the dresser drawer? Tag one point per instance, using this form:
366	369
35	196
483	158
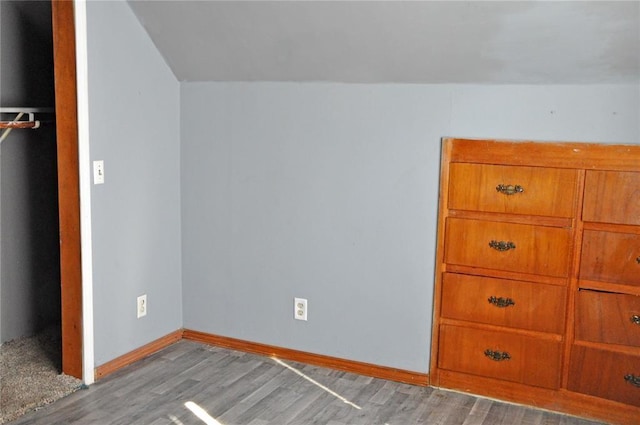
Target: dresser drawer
508	189
607	317
501	355
505	246
605	374
612	197
610	257
503	302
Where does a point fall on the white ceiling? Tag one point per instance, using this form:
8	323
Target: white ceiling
528	42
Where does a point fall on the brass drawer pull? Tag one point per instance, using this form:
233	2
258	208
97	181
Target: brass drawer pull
632	379
499	356
635	319
509	189
502	245
638	260
502	302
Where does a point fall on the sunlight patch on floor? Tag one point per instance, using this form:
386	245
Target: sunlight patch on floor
175	420
201	413
316	383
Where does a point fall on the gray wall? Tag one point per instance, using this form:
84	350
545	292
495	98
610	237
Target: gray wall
29	253
134	121
329	192
223	201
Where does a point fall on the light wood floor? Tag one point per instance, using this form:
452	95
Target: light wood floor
244	389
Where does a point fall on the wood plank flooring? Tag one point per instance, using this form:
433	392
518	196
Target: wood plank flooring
234	388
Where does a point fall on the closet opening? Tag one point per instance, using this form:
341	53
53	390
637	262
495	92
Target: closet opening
40	305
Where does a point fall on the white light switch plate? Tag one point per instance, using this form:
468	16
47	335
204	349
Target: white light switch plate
98	172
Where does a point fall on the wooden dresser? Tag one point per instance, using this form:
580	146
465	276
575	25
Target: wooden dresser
537	296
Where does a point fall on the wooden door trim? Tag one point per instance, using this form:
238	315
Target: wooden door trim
64	49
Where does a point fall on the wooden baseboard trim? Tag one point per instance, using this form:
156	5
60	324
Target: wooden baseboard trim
367	369
361	368
137	354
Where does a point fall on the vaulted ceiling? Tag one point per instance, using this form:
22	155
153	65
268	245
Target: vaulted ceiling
527	42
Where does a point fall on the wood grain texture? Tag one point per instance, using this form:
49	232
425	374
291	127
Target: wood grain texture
612	197
18	124
538	249
608	174
608	411
310	358
560	155
533	306
611	257
606	227
531	361
137	354
237	388
608	381
538	220
504	274
608	318
609	287
64	58
578	229
545	191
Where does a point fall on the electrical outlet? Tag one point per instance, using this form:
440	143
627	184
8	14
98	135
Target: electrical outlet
142	305
300	309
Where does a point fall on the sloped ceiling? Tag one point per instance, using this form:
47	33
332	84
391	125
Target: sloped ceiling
530	42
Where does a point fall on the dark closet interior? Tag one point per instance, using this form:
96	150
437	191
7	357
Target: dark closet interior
29	230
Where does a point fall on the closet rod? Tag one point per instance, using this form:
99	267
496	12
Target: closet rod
17	122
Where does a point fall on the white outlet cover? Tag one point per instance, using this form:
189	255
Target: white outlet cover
300	308
141	306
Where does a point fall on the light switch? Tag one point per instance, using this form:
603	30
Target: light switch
98	172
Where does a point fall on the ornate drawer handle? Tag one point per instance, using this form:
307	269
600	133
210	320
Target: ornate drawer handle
632	379
635	319
502	245
504	302
499	356
509	189
638	260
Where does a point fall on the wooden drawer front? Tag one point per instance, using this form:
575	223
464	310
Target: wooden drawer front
612	197
607	317
503	302
545	191
602	374
531	361
538	249
610	257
